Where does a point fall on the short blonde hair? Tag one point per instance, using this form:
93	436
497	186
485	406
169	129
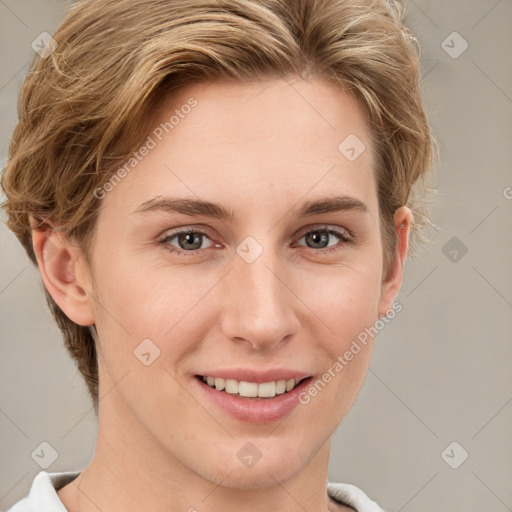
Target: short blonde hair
85	108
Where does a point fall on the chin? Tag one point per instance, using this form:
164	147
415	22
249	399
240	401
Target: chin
248	467
260	476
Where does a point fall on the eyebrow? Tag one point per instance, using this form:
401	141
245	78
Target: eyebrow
195	207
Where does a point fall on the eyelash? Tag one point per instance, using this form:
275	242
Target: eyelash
346	237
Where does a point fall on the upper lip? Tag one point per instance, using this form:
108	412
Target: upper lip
258	376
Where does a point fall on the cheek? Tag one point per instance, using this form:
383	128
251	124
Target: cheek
344	312
345	299
139	301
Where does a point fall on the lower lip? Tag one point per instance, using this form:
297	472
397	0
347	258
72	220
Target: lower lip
255	410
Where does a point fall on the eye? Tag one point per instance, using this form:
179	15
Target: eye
319	238
189	241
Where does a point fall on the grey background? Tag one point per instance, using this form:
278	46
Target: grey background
441	371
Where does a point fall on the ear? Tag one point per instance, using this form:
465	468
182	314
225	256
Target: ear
65	274
393	280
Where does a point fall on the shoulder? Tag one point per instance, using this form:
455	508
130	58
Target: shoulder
43	493
349	494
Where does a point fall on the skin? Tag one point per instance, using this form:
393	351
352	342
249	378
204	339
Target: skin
261	149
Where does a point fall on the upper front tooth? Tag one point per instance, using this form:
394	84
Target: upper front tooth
267	389
219	383
249	389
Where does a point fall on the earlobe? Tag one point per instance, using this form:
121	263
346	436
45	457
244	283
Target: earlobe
393	280
65	274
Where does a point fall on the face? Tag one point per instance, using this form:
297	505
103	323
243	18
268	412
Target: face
273	283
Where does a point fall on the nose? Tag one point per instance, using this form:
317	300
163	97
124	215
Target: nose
259	306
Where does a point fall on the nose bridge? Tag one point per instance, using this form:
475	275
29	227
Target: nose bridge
259	307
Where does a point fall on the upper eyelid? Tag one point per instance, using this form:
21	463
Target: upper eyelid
327	227
178	231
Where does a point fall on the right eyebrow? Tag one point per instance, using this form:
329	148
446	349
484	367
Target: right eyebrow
187	207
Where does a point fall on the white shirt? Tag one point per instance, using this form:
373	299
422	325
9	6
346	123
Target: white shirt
43	495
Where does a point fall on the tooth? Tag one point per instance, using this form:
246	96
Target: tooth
280	387
231	386
249	389
267	389
290	384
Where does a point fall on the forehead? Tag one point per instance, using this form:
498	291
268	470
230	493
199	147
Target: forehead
280	139
281	114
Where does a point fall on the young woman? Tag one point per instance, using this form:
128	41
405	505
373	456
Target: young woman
219	197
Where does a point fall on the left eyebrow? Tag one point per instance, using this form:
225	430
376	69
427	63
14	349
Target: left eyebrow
332	205
193	207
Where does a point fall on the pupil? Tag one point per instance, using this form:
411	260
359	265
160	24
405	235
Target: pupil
186	239
319	237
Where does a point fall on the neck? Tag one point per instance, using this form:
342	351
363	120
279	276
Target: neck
132	471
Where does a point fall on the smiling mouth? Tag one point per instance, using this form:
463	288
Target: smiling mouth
244	389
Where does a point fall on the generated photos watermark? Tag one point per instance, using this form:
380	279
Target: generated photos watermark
156	136
343	360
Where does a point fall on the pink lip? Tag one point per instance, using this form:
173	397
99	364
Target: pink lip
254	410
250	375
